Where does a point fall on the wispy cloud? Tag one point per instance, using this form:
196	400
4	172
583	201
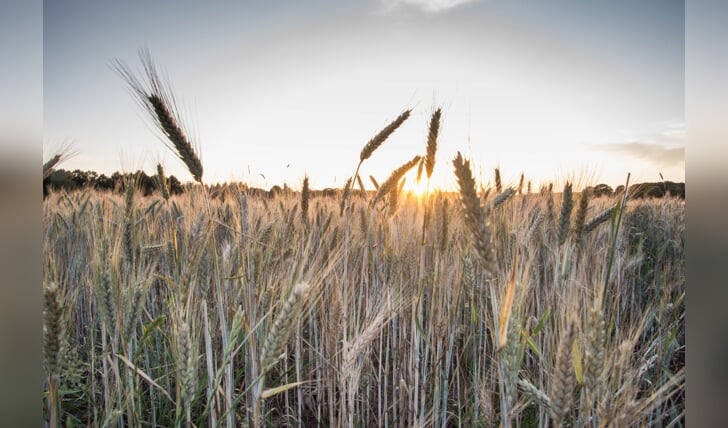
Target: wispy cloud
662	155
430	6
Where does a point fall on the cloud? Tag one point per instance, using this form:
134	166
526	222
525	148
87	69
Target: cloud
659	154
430	6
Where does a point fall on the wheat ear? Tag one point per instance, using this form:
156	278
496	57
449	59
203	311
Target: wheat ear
305	195
394	178
51	347
580	217
432	141
162	181
382	136
473	211
158	99
278	334
567	204
598	219
563	379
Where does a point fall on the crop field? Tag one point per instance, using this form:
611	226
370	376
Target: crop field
486	306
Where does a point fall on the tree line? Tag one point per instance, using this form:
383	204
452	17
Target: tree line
61	179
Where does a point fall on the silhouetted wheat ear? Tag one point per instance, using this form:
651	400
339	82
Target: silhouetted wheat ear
180	142
378	139
48	166
420	166
393	181
159	101
498	184
474	214
432	141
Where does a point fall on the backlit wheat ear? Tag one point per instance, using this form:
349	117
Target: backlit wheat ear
567	204
393	181
432	142
305	195
580	217
520	185
474	214
128	232
382	136
345	196
498	184
281	328
362	189
158	99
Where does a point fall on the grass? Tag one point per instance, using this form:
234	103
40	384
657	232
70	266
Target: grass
478	308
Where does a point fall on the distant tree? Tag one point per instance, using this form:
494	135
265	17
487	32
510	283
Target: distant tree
602	190
175	187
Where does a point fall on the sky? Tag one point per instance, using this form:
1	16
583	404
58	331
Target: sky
273	91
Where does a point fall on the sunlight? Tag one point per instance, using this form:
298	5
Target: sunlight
417	189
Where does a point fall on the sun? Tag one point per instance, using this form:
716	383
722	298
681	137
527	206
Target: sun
418	189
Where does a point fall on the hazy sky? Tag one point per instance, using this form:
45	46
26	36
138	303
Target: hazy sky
557	89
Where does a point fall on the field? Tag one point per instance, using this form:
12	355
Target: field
489	306
190	310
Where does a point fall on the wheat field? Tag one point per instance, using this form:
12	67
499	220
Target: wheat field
480	307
